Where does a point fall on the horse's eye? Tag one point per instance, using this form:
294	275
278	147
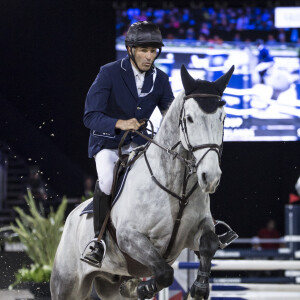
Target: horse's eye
190	119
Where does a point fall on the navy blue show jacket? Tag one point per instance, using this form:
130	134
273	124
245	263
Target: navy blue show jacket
113	96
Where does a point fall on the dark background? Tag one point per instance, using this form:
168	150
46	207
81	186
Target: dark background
51	52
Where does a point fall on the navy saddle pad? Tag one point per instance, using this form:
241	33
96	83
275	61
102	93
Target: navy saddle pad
120	184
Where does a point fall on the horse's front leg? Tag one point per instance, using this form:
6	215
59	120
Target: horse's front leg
138	246
209	244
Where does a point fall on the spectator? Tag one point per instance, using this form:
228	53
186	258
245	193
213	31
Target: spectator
242	23
190	34
294	35
237	37
190	23
202	38
271	40
35	184
269	232
217	40
295	198
89	185
205	30
281	36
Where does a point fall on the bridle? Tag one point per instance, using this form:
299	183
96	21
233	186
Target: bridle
190	162
191	149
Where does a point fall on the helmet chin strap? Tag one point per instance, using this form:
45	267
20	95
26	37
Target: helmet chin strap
130	53
131	56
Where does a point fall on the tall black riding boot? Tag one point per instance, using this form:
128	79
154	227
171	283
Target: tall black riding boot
101	204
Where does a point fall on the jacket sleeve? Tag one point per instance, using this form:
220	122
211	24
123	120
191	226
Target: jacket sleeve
95	105
167	96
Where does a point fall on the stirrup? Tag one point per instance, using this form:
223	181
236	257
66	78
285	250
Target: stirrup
228	237
99	264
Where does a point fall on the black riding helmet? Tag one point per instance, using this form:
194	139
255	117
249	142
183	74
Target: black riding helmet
143	34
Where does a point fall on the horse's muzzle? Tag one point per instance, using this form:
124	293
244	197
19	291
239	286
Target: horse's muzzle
208	182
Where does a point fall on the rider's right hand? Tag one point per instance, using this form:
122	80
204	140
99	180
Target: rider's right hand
131	124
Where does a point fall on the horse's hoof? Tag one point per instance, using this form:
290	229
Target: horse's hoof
147	289
128	288
200	291
189	297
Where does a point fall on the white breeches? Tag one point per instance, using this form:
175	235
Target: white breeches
264	66
105	162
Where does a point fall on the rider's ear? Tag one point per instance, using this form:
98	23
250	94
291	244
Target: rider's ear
189	83
221	83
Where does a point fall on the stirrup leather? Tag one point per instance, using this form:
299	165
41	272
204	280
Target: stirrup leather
83	254
223	243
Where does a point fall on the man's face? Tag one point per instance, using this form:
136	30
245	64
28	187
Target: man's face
144	57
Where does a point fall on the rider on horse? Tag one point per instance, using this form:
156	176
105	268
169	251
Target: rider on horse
123	93
265	60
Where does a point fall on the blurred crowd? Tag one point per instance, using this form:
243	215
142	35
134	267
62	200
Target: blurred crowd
206	24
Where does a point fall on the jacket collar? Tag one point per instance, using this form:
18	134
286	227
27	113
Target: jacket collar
128	77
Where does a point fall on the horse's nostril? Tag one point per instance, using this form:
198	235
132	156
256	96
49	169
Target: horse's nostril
204	178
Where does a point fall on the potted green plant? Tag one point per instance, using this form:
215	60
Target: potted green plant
40	235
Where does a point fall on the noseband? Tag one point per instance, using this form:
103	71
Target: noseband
190	161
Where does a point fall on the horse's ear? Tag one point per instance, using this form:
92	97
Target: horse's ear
189	83
221	83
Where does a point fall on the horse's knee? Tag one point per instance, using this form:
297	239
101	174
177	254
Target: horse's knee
209	244
164	276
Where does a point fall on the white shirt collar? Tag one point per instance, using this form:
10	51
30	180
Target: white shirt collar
136	72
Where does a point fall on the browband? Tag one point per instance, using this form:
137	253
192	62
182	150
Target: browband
202	96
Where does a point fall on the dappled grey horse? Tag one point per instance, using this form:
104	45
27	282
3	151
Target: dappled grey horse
165	198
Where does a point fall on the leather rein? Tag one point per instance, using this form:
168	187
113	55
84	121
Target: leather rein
190	162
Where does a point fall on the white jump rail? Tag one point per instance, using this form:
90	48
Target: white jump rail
256	240
266	295
255	287
249	292
245	265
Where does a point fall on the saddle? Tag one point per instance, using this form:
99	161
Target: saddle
121	170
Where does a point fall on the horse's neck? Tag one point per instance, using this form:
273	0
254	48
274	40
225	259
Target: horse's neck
167	136
169	133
